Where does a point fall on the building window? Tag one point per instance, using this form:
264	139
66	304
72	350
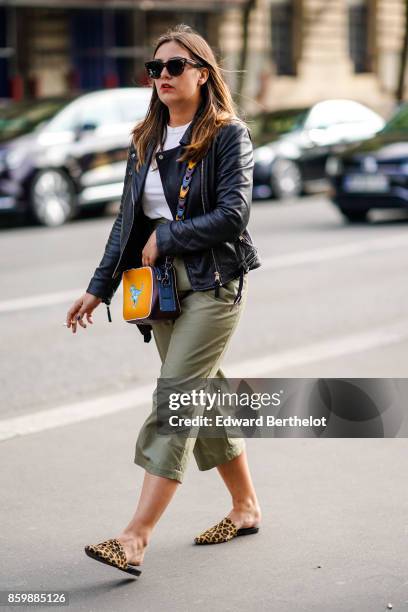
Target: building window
283	36
359	35
102	51
5	54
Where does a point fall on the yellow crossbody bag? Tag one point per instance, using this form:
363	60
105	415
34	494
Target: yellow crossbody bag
150	292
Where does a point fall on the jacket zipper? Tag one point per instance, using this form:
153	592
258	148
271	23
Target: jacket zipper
217	275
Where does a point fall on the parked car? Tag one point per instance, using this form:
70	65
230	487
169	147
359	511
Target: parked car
373	174
58	155
292	145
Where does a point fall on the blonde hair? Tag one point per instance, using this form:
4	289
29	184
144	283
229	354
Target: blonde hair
217	107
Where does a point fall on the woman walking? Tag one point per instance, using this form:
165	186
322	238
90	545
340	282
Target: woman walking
191	117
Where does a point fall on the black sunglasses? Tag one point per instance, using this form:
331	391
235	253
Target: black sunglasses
175	66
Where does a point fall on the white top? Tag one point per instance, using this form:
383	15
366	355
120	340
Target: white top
153	199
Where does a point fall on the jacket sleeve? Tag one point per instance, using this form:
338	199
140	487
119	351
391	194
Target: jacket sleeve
102	284
233	191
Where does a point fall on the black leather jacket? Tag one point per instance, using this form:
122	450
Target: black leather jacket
212	239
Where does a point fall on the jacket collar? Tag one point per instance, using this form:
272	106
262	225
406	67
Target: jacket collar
186	139
137	186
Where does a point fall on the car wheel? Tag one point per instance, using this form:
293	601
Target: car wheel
52	198
286	179
354	216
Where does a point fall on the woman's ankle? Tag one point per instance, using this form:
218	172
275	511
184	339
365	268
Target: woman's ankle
143	534
245	513
248	504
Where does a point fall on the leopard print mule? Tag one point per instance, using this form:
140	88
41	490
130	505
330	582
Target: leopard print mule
112	553
223	531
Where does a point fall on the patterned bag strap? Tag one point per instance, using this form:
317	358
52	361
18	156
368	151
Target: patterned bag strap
184	189
181	206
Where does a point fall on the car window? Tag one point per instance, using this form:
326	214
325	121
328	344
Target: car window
268	126
24	117
399	121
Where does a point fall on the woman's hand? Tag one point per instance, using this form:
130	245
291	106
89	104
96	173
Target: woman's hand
150	251
84	305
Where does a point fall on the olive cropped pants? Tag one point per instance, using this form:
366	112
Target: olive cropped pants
191	346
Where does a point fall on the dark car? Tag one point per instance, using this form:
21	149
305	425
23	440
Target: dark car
58	155
373	174
292	145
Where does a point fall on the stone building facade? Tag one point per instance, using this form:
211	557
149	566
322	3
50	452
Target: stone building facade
299	51
49	47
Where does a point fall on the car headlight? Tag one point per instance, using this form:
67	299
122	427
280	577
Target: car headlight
334	166
14	158
263	155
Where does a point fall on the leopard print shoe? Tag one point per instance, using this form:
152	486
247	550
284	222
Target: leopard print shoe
223	531
112	553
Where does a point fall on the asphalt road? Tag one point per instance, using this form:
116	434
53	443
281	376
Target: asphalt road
329	301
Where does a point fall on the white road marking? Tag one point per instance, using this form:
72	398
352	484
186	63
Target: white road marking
287	260
44	299
35	301
75	413
326	349
334	252
253	368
